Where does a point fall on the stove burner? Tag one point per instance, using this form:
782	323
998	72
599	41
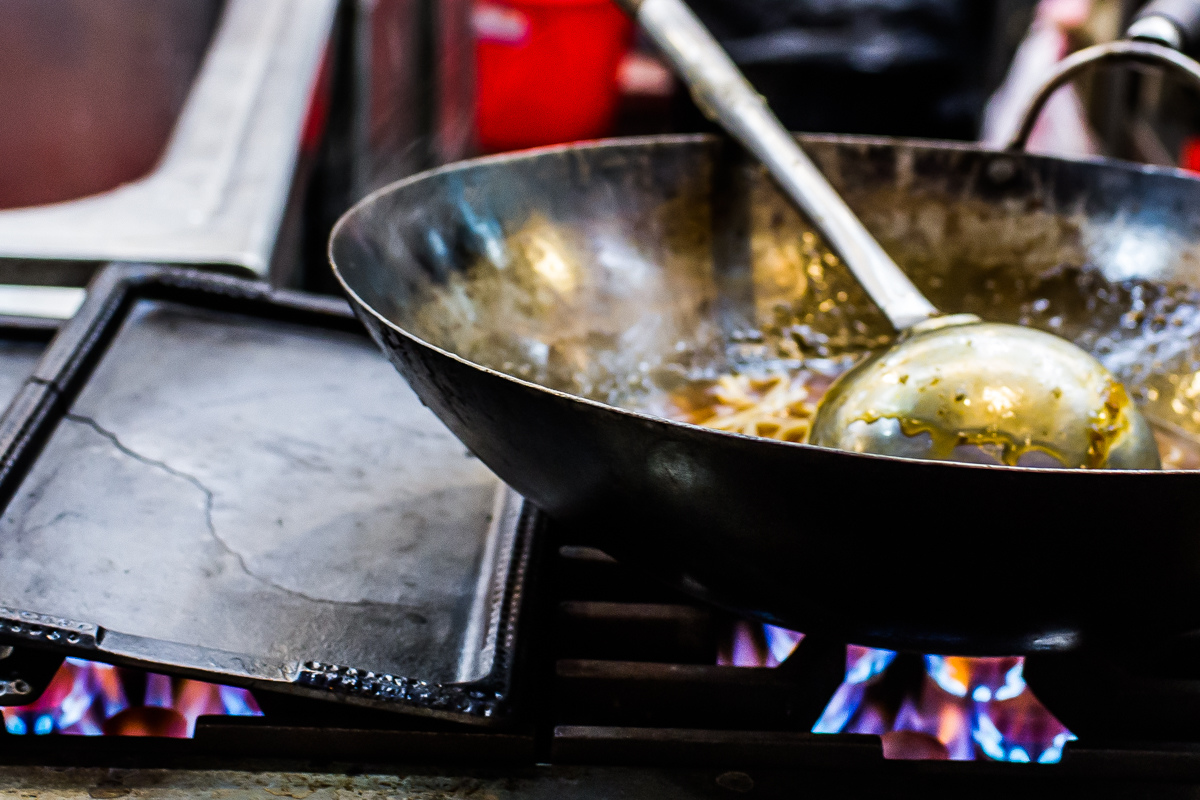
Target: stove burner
91	699
961	709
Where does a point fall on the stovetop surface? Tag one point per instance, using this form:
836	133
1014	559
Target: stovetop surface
565	783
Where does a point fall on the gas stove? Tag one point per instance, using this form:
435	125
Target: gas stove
588	678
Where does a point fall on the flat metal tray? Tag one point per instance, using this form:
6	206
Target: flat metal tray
211	478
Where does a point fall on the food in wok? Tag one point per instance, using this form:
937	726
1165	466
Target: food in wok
773	373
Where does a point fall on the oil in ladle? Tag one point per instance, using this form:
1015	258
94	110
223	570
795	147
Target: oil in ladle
930	398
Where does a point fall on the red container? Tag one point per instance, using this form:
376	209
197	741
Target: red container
547	70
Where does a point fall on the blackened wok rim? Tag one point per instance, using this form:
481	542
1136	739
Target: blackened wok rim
671	139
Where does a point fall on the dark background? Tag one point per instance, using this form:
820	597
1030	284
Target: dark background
896	67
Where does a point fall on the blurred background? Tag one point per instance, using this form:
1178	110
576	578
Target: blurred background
946	69
101	100
554	71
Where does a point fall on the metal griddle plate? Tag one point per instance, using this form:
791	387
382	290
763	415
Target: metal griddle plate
214	479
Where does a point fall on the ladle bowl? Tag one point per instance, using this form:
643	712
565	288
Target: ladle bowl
956	389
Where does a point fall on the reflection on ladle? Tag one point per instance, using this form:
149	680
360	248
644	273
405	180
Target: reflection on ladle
952	388
929	398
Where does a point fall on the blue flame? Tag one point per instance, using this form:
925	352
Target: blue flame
939	670
848	698
1014	683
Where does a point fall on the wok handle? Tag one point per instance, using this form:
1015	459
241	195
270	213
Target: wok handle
1123	51
727	98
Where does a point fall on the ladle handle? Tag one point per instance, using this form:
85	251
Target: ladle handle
727	98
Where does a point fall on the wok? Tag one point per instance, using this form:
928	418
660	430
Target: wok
665	251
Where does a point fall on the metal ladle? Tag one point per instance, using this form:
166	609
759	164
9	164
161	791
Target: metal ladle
953	387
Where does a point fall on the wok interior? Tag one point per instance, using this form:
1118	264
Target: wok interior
624	272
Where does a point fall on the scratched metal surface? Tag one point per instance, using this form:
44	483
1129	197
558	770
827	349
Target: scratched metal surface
255	487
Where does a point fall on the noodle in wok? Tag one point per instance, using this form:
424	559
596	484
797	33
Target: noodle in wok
775	406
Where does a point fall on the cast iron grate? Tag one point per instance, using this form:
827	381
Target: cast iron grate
633	677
